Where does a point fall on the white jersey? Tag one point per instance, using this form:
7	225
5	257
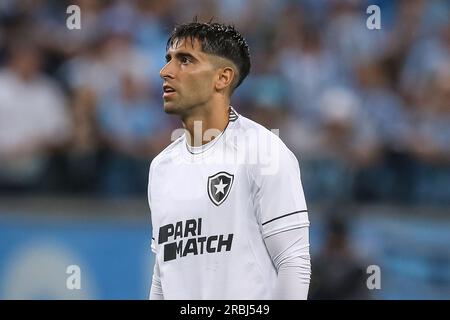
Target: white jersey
212	208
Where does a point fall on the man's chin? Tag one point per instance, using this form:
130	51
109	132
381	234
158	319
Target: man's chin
170	108
174	108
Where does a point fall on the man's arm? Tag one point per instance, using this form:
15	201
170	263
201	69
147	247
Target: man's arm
290	255
156	292
283	218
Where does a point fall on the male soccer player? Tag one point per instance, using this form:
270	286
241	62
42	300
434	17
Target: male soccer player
228	211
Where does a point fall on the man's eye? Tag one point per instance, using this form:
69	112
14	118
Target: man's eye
185	60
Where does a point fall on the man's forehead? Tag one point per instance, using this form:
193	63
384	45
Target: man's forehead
185	44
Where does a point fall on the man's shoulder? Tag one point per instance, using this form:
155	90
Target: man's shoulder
256	135
265	152
168	153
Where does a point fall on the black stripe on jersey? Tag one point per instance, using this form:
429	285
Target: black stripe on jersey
233	115
289	214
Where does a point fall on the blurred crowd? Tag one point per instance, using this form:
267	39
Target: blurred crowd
367	112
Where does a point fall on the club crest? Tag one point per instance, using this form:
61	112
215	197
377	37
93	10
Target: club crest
219	186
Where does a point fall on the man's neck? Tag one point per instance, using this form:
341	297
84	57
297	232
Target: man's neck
205	124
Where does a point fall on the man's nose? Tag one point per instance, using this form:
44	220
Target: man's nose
166	71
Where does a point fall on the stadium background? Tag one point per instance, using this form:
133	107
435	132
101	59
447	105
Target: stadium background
366	111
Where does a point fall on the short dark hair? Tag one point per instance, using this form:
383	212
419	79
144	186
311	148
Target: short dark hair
217	39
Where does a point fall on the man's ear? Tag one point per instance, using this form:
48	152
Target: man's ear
226	77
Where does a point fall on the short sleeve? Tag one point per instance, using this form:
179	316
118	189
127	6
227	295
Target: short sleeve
280	198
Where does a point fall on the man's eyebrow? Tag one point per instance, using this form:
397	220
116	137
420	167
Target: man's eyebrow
180	55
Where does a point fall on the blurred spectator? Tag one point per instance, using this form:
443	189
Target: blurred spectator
348	37
33	120
392	128
426	57
133	129
150	36
98	78
431	141
344	141
309	68
338	272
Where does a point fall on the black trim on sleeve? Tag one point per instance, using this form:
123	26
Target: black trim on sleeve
289	214
286	230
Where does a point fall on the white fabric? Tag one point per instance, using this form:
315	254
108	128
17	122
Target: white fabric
156	292
290	254
207	250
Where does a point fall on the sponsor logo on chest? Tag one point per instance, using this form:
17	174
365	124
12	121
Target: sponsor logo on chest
185	238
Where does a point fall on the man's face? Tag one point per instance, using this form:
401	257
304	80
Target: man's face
189	77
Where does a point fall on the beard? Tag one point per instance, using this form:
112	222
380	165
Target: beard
174	108
182	109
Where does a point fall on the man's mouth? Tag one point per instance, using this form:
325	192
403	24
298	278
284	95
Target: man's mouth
168	90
